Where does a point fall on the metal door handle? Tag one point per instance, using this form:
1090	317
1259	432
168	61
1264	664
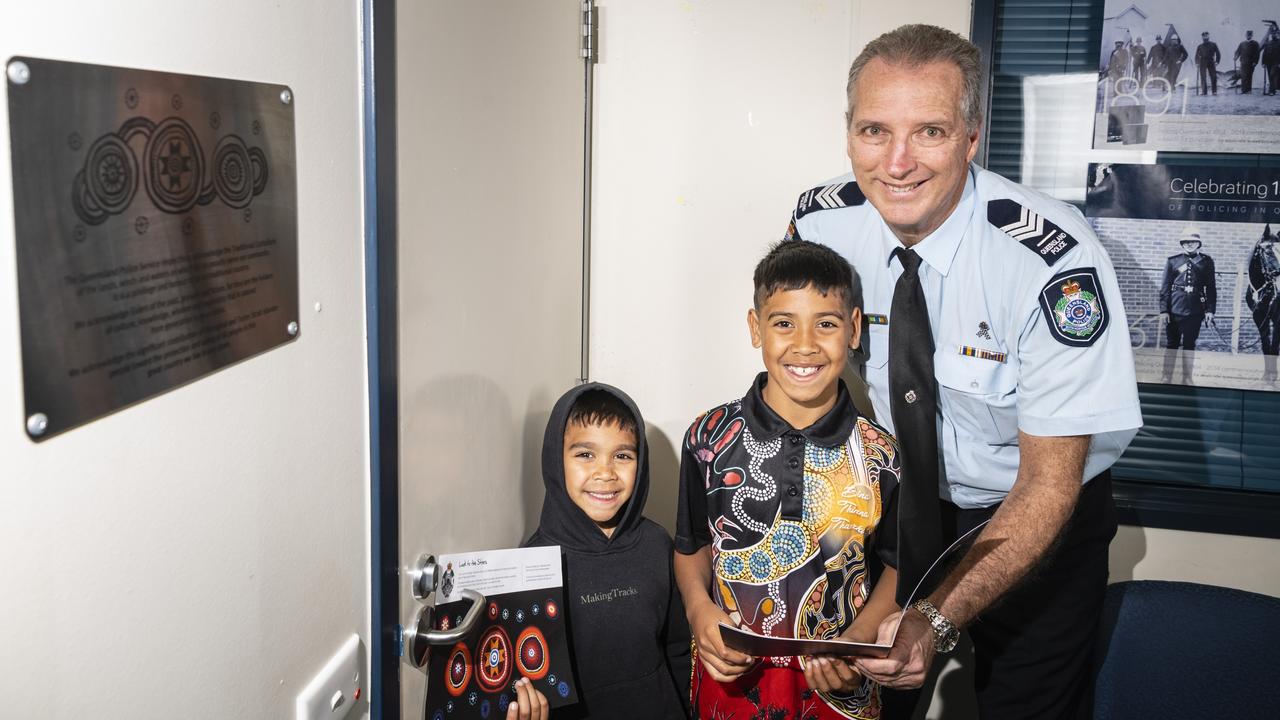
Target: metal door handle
419	638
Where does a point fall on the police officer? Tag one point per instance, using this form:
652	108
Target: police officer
1174	56
1118	63
1207	59
1188	292
1031	370
1247	54
1271	61
1139	55
1156	59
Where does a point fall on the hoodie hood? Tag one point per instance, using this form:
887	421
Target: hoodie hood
564	523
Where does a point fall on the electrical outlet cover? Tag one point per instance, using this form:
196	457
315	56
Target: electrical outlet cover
338	688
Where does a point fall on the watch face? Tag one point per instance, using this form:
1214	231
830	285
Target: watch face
948	639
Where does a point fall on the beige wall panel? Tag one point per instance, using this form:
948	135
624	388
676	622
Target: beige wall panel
490	139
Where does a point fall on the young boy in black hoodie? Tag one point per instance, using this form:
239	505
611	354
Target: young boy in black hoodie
626	622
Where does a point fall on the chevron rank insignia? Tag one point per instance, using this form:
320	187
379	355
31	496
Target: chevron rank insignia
1029	227
1073	307
829	197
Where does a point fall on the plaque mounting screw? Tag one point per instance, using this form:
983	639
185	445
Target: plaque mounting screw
37	424
286	97
19	73
293	328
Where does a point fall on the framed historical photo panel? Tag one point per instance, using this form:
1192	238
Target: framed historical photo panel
1177	75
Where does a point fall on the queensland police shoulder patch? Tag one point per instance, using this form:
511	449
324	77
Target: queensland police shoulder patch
829	197
1074	308
1029	227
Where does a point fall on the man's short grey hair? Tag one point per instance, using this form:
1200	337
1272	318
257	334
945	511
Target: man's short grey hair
916	45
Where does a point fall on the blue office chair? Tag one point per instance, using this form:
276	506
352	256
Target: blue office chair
1177	649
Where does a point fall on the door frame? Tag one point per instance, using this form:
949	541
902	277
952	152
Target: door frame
378	50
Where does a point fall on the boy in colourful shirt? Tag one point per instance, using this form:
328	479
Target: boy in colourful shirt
782	495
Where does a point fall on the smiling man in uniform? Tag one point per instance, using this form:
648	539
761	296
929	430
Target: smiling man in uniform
999	353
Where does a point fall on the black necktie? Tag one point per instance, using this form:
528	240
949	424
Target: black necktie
913	402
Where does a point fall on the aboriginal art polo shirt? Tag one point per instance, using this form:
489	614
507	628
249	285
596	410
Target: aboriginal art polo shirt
1028	325
789	514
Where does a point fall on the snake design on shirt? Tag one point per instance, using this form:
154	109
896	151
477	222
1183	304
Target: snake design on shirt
765	489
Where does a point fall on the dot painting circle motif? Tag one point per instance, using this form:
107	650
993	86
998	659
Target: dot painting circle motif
761	565
822	459
552	609
818	499
733	565
457	672
494	660
534	660
788	544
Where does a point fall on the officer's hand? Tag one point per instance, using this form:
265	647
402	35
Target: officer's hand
723	663
909	658
529	704
1208	317
1163	318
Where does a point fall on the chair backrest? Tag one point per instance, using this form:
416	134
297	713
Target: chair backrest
1177	649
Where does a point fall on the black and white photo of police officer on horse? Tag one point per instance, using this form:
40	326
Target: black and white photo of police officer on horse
1261	296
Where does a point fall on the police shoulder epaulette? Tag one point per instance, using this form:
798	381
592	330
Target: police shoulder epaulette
1046	240
829	197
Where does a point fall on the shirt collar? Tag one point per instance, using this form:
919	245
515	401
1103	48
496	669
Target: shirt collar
830	430
938	250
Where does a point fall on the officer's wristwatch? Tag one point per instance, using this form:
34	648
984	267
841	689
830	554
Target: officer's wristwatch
945	632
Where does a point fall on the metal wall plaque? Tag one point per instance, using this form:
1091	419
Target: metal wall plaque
156	229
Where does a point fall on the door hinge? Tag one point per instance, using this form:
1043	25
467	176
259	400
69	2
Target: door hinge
590	31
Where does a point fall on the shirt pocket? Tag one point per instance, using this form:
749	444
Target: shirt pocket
876	346
978	397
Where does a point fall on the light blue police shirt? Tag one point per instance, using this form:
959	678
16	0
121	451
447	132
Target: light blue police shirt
1028	325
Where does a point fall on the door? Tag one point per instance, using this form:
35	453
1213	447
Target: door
489	119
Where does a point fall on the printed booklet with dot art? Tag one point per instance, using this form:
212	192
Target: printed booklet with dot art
519	633
772	646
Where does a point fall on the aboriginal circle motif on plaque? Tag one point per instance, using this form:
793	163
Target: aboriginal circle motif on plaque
493	611
534	662
108	181
493	659
232	176
552	609
457	673
172	168
176	164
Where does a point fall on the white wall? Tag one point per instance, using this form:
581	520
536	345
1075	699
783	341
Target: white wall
1245	563
200	554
